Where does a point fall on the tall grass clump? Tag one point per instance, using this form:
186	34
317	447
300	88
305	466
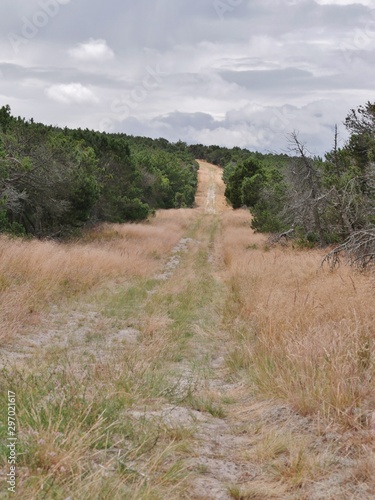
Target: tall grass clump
82	426
35	274
302	333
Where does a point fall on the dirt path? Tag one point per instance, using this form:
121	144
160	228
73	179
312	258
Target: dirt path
206	399
215	462
243	446
210	195
228	421
168	336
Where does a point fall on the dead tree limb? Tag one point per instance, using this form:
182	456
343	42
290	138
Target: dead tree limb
358	250
278	238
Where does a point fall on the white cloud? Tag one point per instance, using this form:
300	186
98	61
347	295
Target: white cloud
267	67
262	128
345	2
71	93
92	50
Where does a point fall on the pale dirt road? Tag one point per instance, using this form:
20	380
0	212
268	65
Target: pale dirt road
210	195
231	437
232	428
244	446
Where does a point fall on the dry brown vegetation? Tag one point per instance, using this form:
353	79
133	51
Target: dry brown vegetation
244	371
35	274
303	336
311	331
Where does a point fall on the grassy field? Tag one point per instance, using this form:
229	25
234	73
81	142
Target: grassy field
186	358
35	274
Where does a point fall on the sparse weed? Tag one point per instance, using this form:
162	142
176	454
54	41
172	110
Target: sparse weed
35	274
206	403
91	412
312	344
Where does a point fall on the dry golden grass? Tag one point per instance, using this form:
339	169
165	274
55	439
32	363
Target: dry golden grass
91	447
308	333
85	416
109	413
35	273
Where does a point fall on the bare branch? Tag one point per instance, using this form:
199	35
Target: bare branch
358	250
278	238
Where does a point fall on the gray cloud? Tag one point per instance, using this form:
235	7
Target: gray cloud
265	128
227	72
272	78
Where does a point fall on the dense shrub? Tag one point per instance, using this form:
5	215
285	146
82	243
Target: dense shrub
53	181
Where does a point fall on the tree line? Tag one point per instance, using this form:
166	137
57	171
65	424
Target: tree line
317	201
53	181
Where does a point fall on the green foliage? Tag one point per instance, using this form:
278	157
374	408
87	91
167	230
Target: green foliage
168	184
244	183
258	183
5	117
53	181
324	201
48	181
222	156
361	125
267	212
132	209
12	228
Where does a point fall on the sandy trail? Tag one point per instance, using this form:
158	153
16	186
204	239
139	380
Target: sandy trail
226	420
210	194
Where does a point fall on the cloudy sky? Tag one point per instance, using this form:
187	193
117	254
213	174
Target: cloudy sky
229	72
